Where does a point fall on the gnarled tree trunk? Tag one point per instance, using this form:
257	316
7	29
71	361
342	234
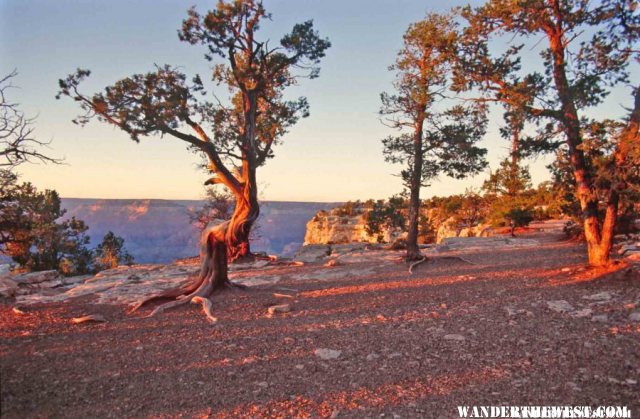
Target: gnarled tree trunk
219	245
598	252
244	216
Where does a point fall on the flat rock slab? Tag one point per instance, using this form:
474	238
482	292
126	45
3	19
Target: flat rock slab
560	306
480	243
327	354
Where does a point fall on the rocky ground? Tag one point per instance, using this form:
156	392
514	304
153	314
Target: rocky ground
487	323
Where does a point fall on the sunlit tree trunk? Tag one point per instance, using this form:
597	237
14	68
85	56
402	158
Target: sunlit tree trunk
413	251
599	237
244	216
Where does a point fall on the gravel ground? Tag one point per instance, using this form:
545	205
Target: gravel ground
379	344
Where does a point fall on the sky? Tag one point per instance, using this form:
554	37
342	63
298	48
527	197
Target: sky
334	155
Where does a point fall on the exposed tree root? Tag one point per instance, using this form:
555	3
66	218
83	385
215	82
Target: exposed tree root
177	293
433	259
236	285
414	264
89	318
211	280
206	307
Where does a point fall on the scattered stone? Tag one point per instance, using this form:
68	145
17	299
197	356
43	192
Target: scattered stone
327	354
585	312
633	256
565	270
628	248
278	295
457	337
313	253
512	312
332	262
600	318
75	280
89	318
372	357
8	287
560	306
281	308
574	387
620	238
635	316
601	296
258	264
18	311
340	249
36	277
479	243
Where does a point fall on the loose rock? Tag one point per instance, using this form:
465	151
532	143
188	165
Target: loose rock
560	306
586	312
281	308
635	316
454	337
327	354
601	296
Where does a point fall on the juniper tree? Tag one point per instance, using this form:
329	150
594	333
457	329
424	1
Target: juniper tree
237	137
508	180
33	233
432	138
586	50
111	253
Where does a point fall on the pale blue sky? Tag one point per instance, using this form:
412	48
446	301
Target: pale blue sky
333	155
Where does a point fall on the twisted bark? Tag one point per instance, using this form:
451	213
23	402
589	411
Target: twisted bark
219	245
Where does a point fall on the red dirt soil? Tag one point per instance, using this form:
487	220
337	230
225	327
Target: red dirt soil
400	338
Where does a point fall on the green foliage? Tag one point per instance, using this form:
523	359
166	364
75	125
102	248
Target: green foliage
509	179
385	215
468	209
349	209
586	49
164	102
518	217
111	253
426	230
33	236
430	141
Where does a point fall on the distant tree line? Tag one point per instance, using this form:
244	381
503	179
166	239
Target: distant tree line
32	229
35	235
507	199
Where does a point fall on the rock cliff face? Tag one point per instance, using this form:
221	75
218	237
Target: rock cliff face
333	228
450	228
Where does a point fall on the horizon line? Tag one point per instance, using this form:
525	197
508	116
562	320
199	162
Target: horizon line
195	199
